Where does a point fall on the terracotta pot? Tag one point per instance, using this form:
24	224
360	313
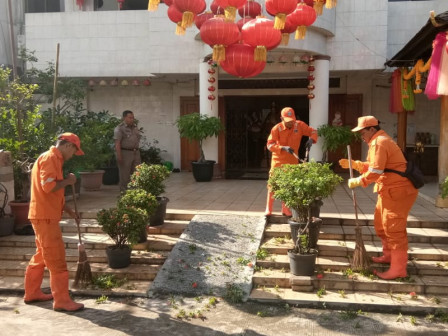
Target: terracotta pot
92	181
20	211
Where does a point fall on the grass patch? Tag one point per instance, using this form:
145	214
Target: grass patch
108	281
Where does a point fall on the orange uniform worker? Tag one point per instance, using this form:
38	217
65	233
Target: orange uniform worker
46	207
284	142
396	194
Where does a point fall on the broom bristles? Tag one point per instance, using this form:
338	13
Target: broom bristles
361	260
83	275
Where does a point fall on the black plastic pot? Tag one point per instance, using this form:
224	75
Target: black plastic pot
118	258
302	264
315	209
203	171
158	217
313	229
111	176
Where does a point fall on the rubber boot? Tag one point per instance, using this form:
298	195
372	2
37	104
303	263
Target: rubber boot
385	258
398	264
62	300
269	203
286	211
33	281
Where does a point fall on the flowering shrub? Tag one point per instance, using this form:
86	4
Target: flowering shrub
123	224
149	178
138	198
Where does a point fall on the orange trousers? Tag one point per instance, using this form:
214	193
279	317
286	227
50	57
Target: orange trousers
50	249
391	213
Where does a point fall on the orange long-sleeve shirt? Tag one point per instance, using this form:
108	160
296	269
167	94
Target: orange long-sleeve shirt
384	153
45	203
282	136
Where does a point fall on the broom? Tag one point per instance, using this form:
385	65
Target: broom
360	259
83	275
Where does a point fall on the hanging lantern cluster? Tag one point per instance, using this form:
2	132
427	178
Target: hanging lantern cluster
114	82
311	78
212	80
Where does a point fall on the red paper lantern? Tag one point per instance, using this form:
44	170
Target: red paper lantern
311	77
176	16
211	97
311	96
240	61
280	8
211	71
216	8
212	80
218	33
146	82
201	18
168	2
260	34
311	87
241	22
287	30
211	88
251	8
311	68
302	17
189	9
230	7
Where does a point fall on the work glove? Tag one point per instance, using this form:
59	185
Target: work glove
354	182
309	143
288	149
357	165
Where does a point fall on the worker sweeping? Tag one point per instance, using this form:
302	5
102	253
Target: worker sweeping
46	207
396	194
284	142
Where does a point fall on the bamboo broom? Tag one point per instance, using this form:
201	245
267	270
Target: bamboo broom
83	275
360	259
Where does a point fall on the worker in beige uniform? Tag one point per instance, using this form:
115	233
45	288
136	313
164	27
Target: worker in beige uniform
127	141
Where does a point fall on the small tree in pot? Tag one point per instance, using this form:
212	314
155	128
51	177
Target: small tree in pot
298	186
195	126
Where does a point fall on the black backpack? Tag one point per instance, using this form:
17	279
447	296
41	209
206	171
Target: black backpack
413	173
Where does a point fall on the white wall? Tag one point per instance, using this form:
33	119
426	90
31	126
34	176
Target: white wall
5	41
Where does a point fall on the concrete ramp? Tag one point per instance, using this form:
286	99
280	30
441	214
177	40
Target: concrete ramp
213	253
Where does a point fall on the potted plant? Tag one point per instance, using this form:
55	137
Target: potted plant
151	178
141	199
336	138
124	225
299	186
6	221
198	127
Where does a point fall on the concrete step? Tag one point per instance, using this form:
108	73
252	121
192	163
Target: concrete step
93	241
420	284
335	232
343	248
94	255
354	301
142	272
170	226
136	288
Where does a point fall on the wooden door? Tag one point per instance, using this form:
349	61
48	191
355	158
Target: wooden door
189	151
350	108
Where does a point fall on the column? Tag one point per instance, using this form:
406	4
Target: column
319	105
208	77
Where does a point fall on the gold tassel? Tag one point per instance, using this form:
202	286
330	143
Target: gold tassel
300	32
280	20
260	53
219	53
230	13
179	29
318	6
152	5
285	39
331	4
187	19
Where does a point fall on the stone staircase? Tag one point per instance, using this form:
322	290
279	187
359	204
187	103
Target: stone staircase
146	259
427	268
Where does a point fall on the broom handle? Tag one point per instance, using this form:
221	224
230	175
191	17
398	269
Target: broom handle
77	214
349	153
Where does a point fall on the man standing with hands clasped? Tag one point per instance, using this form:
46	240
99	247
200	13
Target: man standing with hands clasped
284	142
396	194
127	143
46	207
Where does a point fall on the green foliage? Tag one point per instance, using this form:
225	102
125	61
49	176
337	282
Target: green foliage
299	185
107	281
123	224
335	137
150	153
149	178
234	294
195	126
138	198
444	188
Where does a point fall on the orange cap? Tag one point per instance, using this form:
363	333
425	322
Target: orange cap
288	114
73	138
367	121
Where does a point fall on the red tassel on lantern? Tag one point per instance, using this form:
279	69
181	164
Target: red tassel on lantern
189	9
176	16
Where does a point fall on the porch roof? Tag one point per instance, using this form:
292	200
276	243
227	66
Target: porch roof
420	46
